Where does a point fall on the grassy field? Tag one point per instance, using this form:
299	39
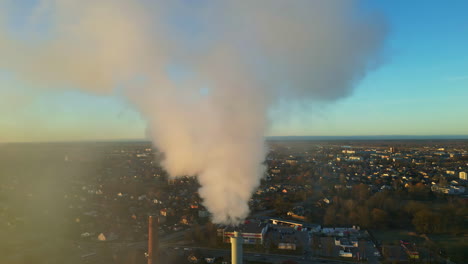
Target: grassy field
392	237
456	247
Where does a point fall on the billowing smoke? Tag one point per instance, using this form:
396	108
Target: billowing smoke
204	74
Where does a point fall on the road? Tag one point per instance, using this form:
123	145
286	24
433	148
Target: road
274	258
370	250
168	242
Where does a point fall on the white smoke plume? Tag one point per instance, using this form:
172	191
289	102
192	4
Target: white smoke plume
234	60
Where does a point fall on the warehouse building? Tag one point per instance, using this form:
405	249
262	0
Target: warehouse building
253	232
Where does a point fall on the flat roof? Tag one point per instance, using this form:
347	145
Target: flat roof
247	227
293	222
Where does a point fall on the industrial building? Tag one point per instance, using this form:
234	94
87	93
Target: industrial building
295	224
463	175
252	232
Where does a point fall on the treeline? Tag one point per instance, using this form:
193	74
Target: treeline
205	235
393	209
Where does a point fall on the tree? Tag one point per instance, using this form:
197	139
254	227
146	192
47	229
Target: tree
211	234
349	205
443	181
330	216
364	216
281	205
426	221
379	218
361	192
419	191
300	196
342	178
412	207
353	218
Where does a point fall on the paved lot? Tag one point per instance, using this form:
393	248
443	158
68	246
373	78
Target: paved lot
394	253
282	234
325	247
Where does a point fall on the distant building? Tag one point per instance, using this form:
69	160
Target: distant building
275	171
166	212
253	232
463	175
287	246
203	213
355	158
296	216
298	225
448	189
346	242
171	181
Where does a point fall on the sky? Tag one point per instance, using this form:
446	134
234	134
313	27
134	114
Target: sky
421	88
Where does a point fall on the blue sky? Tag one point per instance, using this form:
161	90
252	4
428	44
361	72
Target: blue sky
420	89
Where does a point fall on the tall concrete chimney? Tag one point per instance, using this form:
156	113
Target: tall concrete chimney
153	240
236	248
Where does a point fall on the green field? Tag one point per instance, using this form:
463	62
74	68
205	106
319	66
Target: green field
392	237
456	247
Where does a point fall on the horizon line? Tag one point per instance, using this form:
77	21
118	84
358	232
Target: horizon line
274	138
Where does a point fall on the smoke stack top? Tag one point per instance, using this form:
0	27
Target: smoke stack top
203	74
236	248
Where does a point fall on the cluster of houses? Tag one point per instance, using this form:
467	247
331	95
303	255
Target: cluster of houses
443	170
126	178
